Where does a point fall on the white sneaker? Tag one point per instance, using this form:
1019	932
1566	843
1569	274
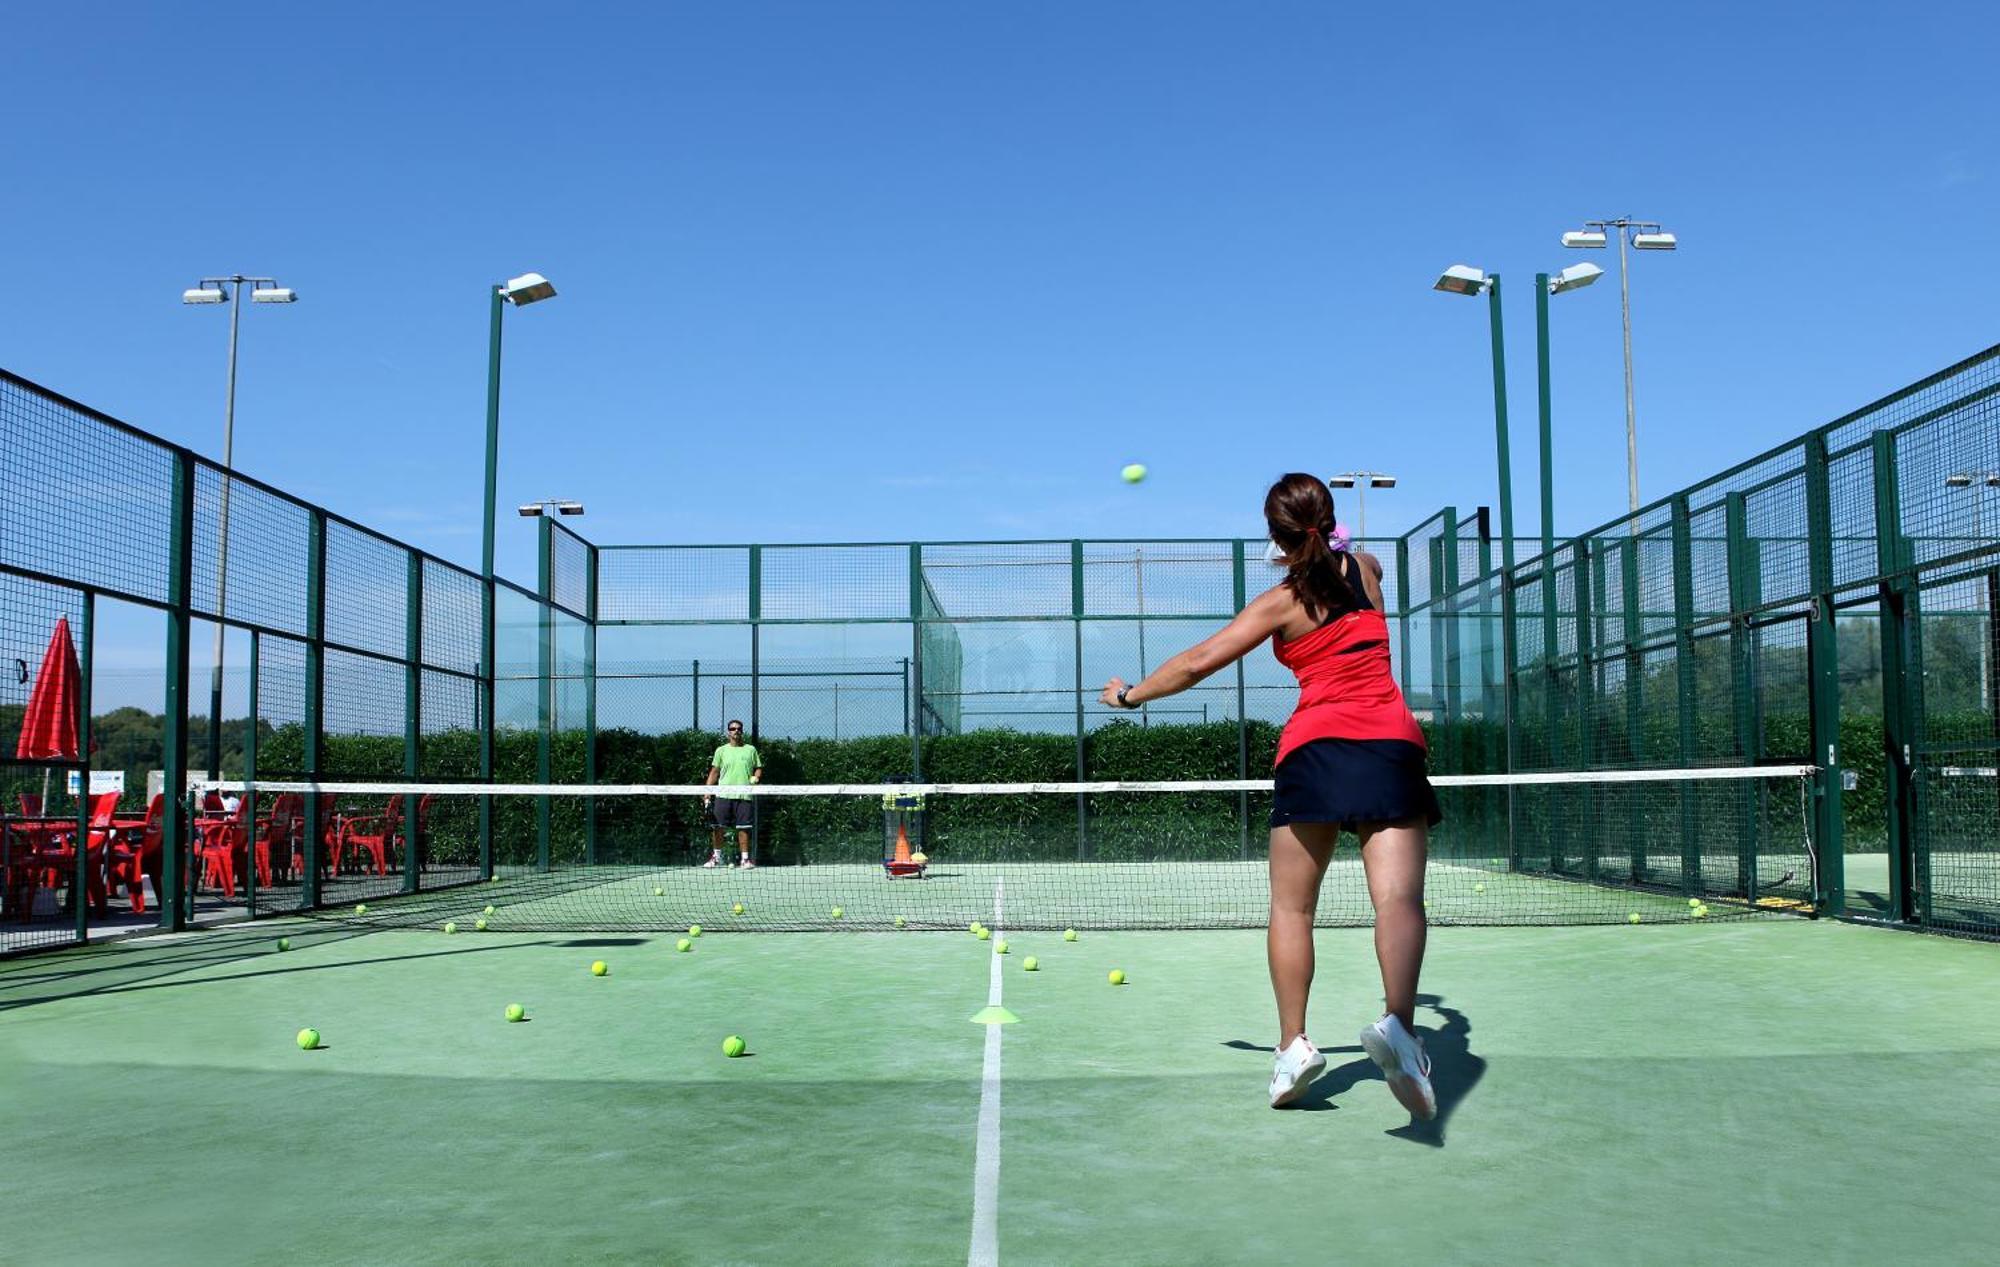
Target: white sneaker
710	863
745	865
1405	1065
1297	1065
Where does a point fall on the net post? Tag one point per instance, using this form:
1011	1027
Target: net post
1744	594
250	762
545	679
1076	660
1823	670
413	714
174	832
590	703
1240	596
1685	686
1899	615
80	881
314	711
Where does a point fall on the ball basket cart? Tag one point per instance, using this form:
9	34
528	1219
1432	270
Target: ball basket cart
903	835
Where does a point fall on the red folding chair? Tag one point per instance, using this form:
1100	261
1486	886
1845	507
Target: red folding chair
221	842
128	855
54	861
377	835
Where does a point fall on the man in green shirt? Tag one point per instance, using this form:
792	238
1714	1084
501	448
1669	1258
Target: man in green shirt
734	765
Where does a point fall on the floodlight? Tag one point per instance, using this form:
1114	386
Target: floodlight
569	508
274	295
1654	242
1462	279
530	512
205	295
1340	481
526	289
1575	277
1585	239
1381	481
1960	479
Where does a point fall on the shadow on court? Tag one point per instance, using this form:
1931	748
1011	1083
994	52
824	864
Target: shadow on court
1455	1070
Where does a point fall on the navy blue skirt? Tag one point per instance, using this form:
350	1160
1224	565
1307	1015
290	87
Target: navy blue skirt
1353	781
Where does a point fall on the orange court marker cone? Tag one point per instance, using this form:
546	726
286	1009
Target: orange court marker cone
902	842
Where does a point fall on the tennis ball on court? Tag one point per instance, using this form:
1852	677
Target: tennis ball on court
1700	912
999	947
479	925
1133	472
1693	902
658	891
899	921
694	930
361	908
684	945
920	858
599	968
1633	918
1069	934
837	912
308	1039
973	927
1479	888
450	927
284	943
983	934
736	909
1117	976
733	1046
1030	964
487	911
516	1012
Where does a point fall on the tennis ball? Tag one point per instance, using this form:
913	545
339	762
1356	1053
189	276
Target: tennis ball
899	921
694	930
683	945
599	968
1069	934
1133	472
1633	918
1693	902
920	858
479	925
1117	976
1700	912
999	947
284	943
733	1046
516	1012
736	909
973	927
983	934
658	891
308	1039
1479	888
1030	964
450	927
837	912
361	908
487	911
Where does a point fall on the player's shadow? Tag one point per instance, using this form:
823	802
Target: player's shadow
1455	1070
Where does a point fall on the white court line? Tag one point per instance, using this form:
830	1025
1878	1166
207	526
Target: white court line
985	1250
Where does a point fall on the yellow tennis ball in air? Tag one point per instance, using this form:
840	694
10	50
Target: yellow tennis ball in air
1117	976
1133	472
599	968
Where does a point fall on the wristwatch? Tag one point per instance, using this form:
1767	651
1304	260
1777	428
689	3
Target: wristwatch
1121	697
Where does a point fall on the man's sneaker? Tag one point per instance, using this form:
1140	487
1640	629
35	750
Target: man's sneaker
1298	1064
712	862
745	865
1404	1064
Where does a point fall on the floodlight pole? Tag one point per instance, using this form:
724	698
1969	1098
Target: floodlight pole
1625	226
489	599
1545	407
1500	428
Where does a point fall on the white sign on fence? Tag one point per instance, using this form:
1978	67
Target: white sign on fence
101	781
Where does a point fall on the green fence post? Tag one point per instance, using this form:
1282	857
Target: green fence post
590	705
1685	687
1902	700
1582	582
1082	756
917	657
1743	600
1823	669
545	680
1402	608
1635	702
413	717
175	829
314	711
80	882
1240	586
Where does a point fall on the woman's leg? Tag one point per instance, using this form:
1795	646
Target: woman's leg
1393	856
1299	854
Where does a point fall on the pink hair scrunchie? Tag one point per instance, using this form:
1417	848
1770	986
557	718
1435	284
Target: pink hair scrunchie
1338	540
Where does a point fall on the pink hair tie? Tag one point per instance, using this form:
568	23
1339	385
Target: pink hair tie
1338	539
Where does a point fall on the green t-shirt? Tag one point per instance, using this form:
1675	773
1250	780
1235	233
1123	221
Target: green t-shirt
735	762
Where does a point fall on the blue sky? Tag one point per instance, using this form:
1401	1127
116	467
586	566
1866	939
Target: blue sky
852	271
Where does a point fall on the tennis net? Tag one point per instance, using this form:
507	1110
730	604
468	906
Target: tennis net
1559	848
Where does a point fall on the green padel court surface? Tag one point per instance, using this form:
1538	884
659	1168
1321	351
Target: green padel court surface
1744	1092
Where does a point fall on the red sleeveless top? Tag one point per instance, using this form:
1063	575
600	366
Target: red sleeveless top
1346	687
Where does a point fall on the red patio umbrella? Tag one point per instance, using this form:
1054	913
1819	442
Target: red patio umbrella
48	728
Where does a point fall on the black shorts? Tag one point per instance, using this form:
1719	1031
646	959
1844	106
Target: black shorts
736	812
1354	781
